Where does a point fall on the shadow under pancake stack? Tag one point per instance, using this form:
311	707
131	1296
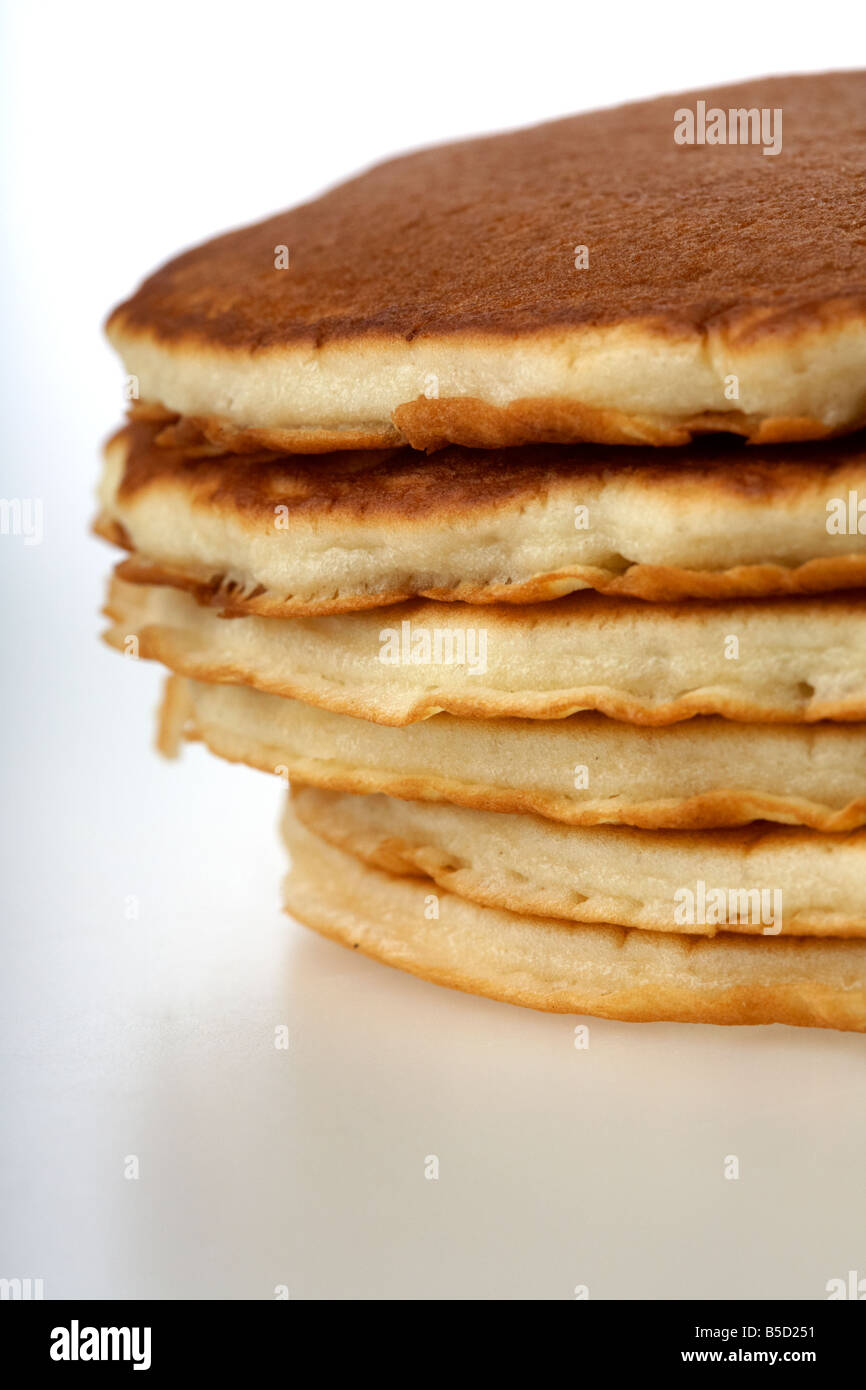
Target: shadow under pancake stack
509	501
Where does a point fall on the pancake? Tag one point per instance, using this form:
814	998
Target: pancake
279	536
547	964
769	880
440	297
800	660
585	770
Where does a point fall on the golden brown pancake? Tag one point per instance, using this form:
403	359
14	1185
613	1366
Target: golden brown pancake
279	535
795	660
440	297
545	963
586	770
757	879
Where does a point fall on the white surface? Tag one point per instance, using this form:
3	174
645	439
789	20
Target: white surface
132	133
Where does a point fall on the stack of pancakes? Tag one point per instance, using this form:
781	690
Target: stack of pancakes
506	501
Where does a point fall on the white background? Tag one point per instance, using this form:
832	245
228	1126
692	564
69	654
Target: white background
131	131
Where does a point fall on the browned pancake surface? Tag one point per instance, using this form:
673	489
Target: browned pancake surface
477	237
401	484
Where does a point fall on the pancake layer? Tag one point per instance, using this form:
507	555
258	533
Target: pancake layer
771	880
279	536
547	964
798	660
591	278
581	771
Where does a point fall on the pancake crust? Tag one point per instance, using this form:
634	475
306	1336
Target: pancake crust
283	535
437	294
607	874
585	770
542	963
798	660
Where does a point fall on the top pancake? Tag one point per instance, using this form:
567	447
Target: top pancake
435	298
